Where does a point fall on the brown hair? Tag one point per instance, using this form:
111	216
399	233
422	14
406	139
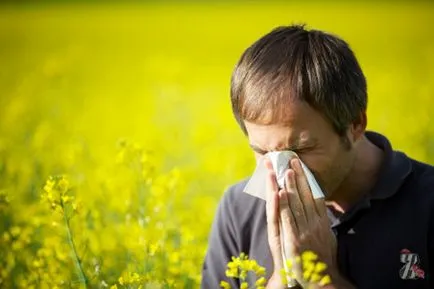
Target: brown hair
292	63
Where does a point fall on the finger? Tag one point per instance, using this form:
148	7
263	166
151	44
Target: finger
273	230
289	229
321	208
268	164
304	189
295	202
271	180
272	194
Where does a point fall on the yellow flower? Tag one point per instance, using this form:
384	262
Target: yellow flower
63	185
153	248
326	280
308	266
308	256
243	274
260	270
261	281
49	184
134	278
121	280
312	269
232	273
66	199
240	266
233	264
244	285
225	285
315	277
320	267
306	274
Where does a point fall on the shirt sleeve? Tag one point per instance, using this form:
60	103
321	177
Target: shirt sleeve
223	243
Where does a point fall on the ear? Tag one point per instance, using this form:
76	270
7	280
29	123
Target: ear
358	128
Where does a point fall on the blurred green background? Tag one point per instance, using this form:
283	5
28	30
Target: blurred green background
130	102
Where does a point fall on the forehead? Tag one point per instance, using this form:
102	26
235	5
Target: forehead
299	124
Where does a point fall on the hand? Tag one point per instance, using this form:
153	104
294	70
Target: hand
304	222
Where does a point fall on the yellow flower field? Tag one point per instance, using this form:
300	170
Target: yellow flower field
116	133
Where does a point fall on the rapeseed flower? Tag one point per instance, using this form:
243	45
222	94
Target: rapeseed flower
240	266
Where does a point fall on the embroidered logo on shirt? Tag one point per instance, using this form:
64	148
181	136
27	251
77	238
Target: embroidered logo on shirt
411	269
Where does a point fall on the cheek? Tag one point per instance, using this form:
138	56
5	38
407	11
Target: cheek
317	163
337	171
325	167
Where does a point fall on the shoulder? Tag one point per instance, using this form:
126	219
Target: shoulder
419	185
422	176
240	205
235	196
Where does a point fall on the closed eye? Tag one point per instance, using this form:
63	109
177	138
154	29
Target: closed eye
303	150
257	149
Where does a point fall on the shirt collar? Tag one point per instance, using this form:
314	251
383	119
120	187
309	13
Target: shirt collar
394	170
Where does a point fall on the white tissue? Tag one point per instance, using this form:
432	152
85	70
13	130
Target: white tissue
280	161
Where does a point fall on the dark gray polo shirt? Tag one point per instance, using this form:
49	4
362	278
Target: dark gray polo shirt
385	241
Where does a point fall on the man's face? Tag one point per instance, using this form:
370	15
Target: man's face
306	132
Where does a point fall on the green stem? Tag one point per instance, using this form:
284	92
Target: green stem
77	261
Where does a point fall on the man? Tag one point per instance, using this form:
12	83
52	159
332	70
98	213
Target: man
304	91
